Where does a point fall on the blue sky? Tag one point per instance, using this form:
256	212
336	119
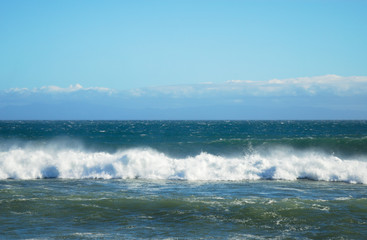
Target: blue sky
146	53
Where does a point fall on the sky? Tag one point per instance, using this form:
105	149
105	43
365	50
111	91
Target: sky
228	59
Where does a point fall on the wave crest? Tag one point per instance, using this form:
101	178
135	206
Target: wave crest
279	163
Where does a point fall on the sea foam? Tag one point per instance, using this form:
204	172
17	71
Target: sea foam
278	163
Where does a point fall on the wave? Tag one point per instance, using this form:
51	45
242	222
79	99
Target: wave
279	163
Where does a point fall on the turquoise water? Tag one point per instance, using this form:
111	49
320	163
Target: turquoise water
183	179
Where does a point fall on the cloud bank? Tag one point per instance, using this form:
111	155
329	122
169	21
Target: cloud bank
57	89
330	84
320	97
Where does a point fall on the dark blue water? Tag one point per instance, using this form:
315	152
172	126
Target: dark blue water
183	179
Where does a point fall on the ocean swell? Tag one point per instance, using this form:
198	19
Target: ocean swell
278	163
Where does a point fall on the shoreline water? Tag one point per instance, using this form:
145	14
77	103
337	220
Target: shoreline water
161	209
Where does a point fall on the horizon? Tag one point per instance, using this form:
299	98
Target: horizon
328	97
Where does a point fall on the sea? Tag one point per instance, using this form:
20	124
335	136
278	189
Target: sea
183	179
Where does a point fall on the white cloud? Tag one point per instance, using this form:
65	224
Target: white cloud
137	92
17	90
74	88
330	84
57	89
71	88
177	91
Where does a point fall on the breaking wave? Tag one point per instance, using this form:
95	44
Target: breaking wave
277	164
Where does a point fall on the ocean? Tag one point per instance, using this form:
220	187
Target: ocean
183	179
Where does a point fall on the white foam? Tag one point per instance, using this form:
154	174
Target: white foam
287	164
